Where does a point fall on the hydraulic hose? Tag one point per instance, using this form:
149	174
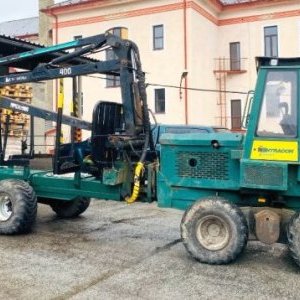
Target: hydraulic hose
136	183
146	123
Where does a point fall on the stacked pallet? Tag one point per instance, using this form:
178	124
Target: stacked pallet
18	122
20	92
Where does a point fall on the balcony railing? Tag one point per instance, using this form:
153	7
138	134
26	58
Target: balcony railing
228	65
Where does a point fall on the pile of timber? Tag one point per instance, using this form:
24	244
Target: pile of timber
18	122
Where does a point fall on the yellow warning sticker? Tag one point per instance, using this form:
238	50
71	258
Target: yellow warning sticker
275	150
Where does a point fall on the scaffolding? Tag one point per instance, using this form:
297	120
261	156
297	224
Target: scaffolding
223	68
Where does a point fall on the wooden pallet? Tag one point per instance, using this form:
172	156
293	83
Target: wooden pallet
18	132
18	122
20	91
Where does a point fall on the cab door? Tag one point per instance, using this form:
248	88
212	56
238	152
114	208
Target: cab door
272	138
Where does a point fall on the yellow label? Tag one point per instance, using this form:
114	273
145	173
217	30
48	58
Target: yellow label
61	99
275	150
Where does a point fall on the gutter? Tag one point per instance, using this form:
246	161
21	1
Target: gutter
49	11
185	61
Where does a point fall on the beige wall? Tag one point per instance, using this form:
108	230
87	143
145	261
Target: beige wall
208	38
162	66
251	37
203	47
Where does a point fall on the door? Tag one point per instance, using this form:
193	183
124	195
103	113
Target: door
236	114
235	56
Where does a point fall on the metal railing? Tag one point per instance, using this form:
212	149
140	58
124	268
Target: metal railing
223	64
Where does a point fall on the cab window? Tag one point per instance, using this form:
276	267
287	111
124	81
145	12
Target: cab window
185	130
278	115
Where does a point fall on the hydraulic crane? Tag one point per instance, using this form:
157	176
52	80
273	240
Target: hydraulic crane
110	163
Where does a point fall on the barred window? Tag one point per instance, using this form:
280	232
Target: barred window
158	37
160	107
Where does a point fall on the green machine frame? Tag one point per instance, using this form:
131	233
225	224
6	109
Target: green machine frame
106	180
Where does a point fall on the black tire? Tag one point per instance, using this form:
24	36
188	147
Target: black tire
70	209
293	237
214	231
18	207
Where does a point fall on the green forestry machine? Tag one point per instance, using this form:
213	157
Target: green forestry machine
233	187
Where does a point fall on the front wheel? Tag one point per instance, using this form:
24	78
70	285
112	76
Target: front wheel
18	207
214	231
293	237
70	209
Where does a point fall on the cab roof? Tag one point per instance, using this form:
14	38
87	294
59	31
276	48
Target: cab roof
264	61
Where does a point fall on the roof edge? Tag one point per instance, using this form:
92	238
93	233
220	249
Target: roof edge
217	4
59	9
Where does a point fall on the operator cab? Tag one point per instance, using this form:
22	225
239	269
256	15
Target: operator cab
272	140
273	128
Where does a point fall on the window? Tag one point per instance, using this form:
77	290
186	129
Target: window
278	116
159	101
122	32
158	37
235	56
185	129
271	41
236	114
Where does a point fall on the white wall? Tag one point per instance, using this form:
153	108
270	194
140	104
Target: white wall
208	38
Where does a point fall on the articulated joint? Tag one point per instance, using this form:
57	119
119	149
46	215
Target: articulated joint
137	183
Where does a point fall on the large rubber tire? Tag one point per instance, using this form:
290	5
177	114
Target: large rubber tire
214	231
293	237
18	207
70	209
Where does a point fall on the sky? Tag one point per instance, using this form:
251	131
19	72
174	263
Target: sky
18	9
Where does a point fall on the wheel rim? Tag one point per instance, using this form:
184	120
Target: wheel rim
5	207
213	233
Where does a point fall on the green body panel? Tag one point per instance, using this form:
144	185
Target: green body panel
264	175
115	185
50	49
64	187
192	168
114	176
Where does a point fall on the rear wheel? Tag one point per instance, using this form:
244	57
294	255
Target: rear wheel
214	231
293	236
18	207
70	209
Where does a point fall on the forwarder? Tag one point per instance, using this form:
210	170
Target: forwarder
233	186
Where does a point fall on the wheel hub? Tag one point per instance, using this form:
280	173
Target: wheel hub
213	233
214	230
5	207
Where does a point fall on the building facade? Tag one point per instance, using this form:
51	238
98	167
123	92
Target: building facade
35	30
186	47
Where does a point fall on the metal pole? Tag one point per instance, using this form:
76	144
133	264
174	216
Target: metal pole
58	138
31	153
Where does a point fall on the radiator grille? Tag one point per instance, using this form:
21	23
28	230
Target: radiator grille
264	175
204	165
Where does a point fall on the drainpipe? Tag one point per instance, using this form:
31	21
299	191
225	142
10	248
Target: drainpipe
185	61
56	42
56	25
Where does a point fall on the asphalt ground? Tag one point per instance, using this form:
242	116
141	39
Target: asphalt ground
116	251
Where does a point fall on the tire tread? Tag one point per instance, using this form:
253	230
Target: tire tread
293	234
25	203
70	209
233	211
